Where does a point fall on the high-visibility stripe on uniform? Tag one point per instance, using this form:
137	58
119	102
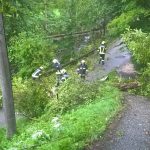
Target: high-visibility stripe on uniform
102	49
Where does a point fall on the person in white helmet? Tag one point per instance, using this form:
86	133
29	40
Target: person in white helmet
64	74
56	65
82	69
37	73
102	51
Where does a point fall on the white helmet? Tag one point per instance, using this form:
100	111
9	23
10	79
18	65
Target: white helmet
63	71
82	61
103	42
55	61
41	67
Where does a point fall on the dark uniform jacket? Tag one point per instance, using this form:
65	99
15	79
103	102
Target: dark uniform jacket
102	49
57	66
82	68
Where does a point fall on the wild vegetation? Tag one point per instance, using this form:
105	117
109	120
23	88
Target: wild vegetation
36	32
138	43
71	123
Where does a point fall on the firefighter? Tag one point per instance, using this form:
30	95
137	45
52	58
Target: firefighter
102	51
56	65
64	75
37	73
82	69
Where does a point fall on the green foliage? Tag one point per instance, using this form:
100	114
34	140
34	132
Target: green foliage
28	23
74	130
72	93
124	21
28	52
30	97
138	43
132	14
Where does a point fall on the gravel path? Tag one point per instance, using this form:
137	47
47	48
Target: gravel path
132	131
117	56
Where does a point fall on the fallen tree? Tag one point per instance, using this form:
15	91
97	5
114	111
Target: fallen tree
127	86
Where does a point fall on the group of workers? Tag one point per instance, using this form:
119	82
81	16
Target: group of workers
82	69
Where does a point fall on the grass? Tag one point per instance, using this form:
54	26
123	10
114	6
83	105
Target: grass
76	128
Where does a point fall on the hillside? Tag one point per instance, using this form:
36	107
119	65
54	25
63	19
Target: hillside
78	112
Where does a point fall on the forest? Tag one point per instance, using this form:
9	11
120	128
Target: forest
38	31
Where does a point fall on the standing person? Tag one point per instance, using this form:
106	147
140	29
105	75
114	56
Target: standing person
82	69
37	73
102	51
56	65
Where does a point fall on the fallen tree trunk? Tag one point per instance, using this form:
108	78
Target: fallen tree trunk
127	86
73	34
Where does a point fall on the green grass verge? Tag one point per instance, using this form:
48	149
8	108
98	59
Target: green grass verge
76	128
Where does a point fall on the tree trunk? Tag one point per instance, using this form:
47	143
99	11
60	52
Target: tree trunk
8	105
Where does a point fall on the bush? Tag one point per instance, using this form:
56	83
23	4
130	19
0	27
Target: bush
72	93
126	20
75	129
138	43
30	97
28	51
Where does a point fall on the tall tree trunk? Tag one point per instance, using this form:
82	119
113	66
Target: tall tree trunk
6	85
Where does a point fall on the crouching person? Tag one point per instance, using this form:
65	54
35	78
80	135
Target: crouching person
37	73
82	69
56	65
64	75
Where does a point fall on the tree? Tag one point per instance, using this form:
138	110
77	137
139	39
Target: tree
6	85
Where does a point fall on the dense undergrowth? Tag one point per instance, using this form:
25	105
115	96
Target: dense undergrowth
83	110
138	43
32	96
81	120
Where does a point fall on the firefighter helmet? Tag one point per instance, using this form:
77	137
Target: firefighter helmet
82	61
55	61
103	42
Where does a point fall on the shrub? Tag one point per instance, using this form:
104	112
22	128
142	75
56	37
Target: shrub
126	20
138	43
30	97
76	128
72	93
28	51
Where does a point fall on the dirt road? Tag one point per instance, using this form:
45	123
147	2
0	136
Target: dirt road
132	131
